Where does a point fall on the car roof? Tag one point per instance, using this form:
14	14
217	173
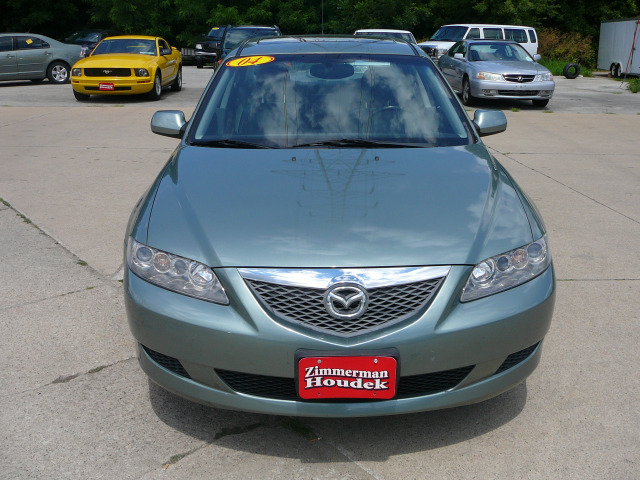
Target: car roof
327	44
133	37
488	40
483	25
390	30
270	27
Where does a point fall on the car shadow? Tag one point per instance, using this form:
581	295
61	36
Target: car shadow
367	438
127	99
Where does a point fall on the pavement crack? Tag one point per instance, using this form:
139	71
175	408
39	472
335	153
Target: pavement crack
68	378
508	155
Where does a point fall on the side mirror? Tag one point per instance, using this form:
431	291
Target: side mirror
489	122
537	57
165	51
459	56
170	123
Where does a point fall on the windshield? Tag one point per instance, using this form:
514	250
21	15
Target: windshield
498	52
80	38
216	32
238	35
401	35
126	45
329	100
450	34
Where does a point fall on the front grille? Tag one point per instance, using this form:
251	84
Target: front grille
304	306
519	93
281	388
519	78
170	363
107	72
516	358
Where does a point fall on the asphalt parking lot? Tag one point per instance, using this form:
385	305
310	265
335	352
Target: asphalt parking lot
75	404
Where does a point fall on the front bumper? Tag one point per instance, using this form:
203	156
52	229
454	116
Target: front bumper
121	85
202	56
190	347
512	90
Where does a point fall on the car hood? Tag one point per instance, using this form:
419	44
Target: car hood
335	207
123	60
508	67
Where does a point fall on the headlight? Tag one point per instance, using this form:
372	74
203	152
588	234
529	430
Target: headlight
198	46
492	77
141	72
507	270
175	273
442	51
544	77
76	72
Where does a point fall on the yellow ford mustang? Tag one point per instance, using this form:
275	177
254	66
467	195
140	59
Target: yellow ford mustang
128	65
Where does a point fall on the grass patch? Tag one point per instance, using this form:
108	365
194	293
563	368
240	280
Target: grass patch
515	109
82	262
634	84
548	111
557	66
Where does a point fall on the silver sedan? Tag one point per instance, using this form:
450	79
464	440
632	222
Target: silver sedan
25	56
496	69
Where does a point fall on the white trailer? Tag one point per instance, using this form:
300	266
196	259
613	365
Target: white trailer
618	49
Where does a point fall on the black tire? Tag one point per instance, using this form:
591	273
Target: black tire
58	73
156	91
177	84
199	64
81	97
571	70
467	98
540	103
614	70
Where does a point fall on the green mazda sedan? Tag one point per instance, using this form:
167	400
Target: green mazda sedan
332	238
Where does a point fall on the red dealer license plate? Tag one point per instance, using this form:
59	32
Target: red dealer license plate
106	86
368	377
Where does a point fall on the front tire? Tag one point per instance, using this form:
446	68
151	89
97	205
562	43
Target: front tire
540	103
156	91
177	84
58	73
81	97
467	98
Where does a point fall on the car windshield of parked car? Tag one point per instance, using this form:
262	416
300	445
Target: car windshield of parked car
498	52
80	38
126	45
287	101
450	34
401	35
234	37
216	33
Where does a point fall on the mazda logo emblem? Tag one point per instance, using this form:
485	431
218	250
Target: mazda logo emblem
346	301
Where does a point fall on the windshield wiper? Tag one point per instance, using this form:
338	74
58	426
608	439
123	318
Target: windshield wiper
357	142
227	143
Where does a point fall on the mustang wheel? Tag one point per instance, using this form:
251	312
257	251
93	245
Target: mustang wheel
58	72
177	84
81	97
156	91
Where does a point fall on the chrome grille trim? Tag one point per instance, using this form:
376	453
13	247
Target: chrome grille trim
322	277
295	297
514	77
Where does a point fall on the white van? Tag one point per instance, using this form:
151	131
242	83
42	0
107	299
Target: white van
447	35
